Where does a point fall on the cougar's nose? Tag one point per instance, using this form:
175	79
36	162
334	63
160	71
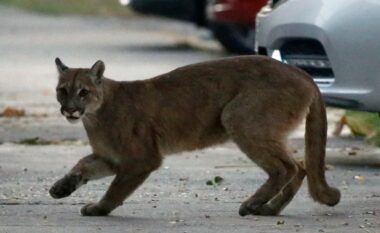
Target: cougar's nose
67	111
70	110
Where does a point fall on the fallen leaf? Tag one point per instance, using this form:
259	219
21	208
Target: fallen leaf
370	212
280	222
352	153
39	115
40	141
12	112
359	178
218	179
34	141
209	182
46	92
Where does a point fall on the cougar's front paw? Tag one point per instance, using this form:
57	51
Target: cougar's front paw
246	209
65	186
257	209
93	209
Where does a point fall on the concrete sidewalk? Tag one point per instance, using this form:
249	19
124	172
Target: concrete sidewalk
175	198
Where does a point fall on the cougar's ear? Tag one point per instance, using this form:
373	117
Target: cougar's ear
60	66
98	70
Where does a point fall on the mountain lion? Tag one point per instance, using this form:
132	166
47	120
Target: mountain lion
253	100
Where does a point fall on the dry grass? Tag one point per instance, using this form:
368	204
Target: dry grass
364	124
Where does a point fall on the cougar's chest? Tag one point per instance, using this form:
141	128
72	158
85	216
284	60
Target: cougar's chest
102	145
103	148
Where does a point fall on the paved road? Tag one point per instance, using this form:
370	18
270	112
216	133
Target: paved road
175	198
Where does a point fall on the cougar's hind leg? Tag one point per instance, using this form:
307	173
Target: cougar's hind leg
283	198
253	129
280	169
88	168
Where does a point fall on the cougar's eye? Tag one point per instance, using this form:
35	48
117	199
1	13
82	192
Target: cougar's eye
83	93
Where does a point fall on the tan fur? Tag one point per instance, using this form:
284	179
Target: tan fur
253	100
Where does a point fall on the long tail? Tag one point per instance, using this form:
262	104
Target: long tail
316	134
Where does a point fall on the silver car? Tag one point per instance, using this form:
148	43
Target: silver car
336	41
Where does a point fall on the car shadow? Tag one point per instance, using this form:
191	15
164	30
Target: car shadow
176	47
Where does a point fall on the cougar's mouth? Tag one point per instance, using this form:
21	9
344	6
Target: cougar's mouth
72	117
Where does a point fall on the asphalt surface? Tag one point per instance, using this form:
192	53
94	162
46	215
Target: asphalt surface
176	197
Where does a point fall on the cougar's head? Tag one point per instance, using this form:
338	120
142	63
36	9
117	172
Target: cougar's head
79	90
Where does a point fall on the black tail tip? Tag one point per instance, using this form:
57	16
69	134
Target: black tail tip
334	196
329	196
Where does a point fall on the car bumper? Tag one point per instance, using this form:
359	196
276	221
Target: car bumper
345	39
235	11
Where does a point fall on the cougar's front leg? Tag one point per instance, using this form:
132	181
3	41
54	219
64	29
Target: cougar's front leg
122	186
142	159
88	168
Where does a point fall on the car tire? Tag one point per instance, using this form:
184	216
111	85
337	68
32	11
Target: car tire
235	38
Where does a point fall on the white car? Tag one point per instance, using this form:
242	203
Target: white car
336	41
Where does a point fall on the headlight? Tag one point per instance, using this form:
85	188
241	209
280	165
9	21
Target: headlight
270	6
124	2
276	3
